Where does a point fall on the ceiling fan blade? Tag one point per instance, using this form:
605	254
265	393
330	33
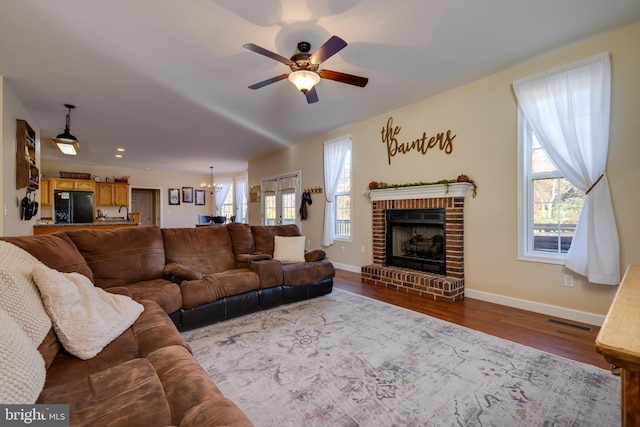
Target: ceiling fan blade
312	96
332	46
344	78
262	51
268	81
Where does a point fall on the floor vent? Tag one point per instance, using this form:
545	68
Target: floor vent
570	325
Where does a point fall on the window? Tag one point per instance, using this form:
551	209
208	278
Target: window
227	209
550	205
342	201
280	195
337	185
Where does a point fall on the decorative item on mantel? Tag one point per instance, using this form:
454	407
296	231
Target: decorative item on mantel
374	185
75	175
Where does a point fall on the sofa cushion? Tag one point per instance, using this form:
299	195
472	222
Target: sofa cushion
20	297
85	317
182	271
22	368
54	250
123	255
207	249
152	330
241	238
212	287
304	273
49	348
289	249
263	235
184	381
129	394
161	291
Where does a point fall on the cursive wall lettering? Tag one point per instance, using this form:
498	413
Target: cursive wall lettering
442	141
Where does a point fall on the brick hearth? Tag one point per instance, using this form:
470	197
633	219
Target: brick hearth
430	285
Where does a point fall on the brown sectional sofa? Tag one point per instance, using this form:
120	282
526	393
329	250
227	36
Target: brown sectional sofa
185	278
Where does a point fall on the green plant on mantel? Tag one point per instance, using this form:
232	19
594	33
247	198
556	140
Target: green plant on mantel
374	185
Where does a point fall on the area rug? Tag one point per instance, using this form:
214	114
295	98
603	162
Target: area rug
347	360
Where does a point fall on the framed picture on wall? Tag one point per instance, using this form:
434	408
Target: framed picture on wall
174	196
187	194
200	198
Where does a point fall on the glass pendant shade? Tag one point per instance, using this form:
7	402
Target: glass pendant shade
304	80
66	142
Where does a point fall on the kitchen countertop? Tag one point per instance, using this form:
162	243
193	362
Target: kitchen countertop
102	225
97	223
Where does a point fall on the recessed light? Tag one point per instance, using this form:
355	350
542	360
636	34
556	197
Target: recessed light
118	155
119	149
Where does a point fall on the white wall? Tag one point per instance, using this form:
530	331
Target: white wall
12	110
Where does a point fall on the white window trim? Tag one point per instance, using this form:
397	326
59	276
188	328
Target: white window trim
525	207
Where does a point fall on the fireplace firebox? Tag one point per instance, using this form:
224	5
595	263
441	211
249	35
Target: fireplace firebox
416	239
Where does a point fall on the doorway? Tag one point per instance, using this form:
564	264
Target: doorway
147	202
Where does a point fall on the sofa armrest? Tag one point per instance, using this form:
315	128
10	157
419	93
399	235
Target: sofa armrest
269	271
315	255
243	260
182	271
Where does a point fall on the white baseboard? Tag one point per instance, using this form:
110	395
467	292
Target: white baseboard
536	307
347	267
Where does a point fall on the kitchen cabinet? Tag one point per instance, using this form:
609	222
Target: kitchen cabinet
112	194
45	192
27	173
73	184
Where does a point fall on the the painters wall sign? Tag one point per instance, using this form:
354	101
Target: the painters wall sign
390	135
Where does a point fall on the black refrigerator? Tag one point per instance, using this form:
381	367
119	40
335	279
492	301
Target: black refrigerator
73	207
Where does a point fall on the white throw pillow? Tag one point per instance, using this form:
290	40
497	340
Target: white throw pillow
20	297
289	249
86	318
22	371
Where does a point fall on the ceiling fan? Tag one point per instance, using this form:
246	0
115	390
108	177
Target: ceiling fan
304	67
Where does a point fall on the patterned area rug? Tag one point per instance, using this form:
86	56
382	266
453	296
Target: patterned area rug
347	360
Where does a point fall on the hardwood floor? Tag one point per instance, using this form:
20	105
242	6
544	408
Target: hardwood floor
524	327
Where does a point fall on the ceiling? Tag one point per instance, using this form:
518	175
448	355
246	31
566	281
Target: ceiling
167	80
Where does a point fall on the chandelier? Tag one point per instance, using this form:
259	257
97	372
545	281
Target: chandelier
211	188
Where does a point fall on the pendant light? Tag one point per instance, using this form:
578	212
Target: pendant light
66	142
211	187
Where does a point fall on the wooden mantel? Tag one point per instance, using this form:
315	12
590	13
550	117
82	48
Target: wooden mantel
619	342
455	189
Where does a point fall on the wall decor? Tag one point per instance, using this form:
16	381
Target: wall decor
254	194
442	141
174	196
201	199
187	194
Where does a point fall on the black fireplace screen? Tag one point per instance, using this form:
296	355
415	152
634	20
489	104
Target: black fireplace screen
416	239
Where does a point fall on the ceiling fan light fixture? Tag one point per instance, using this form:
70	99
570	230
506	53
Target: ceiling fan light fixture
66	142
304	80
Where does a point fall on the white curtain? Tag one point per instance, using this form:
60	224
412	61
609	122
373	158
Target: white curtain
335	152
242	192
221	195
568	109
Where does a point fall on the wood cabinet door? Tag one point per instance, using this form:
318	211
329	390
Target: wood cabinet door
105	194
45	192
121	196
85	185
63	184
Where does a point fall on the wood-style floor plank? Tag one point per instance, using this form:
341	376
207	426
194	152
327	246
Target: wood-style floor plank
524	327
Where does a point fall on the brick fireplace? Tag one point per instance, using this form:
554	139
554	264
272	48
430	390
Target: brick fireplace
448	199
